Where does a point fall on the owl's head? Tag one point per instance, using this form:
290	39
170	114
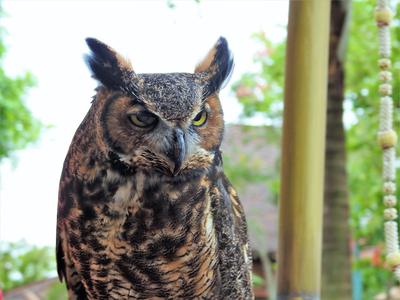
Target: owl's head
171	123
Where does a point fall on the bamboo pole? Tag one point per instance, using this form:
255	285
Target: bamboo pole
300	211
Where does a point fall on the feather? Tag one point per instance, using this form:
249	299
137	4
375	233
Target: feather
107	66
218	66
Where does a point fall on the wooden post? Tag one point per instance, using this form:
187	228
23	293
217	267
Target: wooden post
302	175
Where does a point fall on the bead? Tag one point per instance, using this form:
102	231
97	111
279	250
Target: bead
385	89
393	259
390	214
384	63
383	16
387	139
389	187
385	76
389	200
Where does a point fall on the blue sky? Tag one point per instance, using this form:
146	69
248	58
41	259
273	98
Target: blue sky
47	38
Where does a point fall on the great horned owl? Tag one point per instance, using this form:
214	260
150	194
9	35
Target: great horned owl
145	210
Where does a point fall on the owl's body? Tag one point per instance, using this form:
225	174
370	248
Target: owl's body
145	210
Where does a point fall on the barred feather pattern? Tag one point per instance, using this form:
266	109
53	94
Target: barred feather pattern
135	237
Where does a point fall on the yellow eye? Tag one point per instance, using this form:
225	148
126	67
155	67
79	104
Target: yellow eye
143	119
200	119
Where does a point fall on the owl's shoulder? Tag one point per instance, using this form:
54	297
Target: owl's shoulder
229	200
231	229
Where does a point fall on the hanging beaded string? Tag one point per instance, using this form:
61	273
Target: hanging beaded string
387	137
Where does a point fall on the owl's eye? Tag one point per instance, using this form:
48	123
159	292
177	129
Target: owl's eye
200	119
143	119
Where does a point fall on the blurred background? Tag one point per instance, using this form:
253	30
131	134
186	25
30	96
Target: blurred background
46	89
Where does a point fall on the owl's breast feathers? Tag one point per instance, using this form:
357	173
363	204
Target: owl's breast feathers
131	235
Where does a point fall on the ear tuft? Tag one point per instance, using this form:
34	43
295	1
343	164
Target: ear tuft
106	65
218	65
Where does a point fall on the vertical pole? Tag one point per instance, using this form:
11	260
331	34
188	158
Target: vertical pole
302	175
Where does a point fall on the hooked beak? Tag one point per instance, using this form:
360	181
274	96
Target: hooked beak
177	153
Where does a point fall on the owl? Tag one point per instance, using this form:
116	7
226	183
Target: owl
145	210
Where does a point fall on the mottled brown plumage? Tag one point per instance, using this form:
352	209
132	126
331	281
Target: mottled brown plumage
145	210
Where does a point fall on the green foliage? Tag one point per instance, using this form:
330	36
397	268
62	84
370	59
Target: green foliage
244	166
171	4
375	278
57	291
260	92
17	125
257	280
21	263
243	170
364	155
